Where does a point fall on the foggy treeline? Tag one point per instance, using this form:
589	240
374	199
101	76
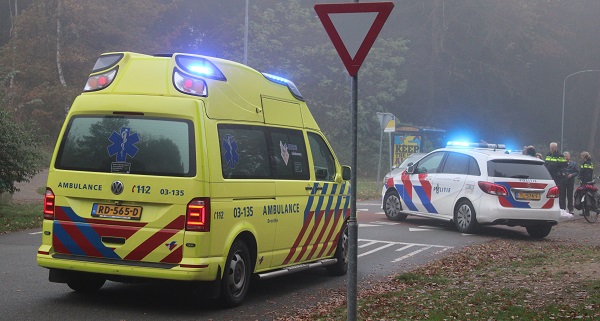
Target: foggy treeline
480	69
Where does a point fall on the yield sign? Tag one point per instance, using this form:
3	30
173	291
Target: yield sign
358	25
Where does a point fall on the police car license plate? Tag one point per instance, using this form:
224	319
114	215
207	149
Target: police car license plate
529	196
117	211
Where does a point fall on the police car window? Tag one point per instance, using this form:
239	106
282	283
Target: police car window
128	145
288	154
474	167
512	168
324	164
244	152
430	163
456	163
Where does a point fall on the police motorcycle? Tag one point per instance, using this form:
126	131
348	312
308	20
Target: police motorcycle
587	200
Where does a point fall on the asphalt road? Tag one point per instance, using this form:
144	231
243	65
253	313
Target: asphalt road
384	248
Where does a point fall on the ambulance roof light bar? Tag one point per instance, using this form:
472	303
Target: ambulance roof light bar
282	81
475	145
198	66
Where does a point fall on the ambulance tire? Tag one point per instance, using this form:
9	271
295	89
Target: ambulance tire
464	217
85	283
341	254
236	275
392	206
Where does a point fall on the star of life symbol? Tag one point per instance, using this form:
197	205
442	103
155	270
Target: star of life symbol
123	144
230	147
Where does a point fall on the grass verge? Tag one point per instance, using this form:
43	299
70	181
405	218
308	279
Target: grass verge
16	217
500	280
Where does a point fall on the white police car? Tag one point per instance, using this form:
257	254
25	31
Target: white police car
475	184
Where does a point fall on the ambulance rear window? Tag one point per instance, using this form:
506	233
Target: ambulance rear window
132	144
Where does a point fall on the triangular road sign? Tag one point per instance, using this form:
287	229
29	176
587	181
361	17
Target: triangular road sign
349	18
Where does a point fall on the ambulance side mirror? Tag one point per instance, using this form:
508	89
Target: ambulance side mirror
346	173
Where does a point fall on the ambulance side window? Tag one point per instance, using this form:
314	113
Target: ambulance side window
322	158
243	151
288	154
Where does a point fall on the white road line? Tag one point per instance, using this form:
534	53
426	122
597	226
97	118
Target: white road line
375	250
362	209
415	229
379	213
385	223
404	243
405	247
368	225
411	254
34	233
367	244
432	227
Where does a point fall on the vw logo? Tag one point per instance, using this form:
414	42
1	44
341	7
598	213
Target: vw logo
117	187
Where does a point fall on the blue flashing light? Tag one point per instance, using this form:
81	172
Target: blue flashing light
475	145
282	81
201	70
199	66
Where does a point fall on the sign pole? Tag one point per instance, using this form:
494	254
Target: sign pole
353	54
352	222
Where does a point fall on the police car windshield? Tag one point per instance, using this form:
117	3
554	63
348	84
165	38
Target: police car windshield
134	145
510	168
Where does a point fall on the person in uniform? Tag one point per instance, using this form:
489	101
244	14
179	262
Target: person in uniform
571	173
556	164
586	174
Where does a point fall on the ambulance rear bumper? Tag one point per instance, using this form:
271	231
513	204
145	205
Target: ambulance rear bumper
206	271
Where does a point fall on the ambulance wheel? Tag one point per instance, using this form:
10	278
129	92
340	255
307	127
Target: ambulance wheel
341	254
464	217
236	275
538	231
85	283
393	207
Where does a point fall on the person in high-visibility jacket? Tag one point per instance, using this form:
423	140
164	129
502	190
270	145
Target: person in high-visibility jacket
586	173
557	165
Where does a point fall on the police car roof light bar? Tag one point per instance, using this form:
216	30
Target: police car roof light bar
475	145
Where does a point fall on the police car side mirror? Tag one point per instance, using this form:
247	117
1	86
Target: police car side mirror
346	173
410	169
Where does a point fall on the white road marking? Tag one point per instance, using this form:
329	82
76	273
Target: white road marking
368	225
411	254
432	227
34	233
362	209
385	223
416	229
404	246
379	213
375	250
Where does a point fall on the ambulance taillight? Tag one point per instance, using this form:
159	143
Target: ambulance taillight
198	215
49	205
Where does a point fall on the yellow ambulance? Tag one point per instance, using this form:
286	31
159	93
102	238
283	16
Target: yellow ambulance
191	168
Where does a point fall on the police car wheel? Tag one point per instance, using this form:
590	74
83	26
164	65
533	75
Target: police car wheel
393	207
341	254
85	283
236	275
464	217
538	231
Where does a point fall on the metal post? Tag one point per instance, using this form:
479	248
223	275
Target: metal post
380	148
352	293
246	36
391	151
562	120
